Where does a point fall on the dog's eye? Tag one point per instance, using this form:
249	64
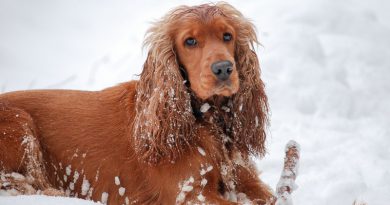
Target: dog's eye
191	42
227	37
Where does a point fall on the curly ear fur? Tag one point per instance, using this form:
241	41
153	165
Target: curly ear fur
163	123
250	104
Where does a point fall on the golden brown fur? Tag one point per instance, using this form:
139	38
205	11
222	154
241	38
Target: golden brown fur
150	133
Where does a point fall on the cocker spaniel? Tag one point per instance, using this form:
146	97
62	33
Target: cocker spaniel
183	134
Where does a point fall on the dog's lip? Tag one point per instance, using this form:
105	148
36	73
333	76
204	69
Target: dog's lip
216	85
224	85
225	89
222	88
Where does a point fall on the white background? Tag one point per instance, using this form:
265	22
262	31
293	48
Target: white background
326	65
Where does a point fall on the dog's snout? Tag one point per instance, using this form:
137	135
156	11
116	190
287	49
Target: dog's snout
222	69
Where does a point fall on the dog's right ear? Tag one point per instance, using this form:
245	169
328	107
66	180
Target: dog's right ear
162	127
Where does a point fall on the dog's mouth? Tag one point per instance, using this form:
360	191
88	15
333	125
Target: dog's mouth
209	87
225	88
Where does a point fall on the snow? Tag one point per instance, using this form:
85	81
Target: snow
185	187
85	187
201	198
226	109
104	197
203	182
121	191
117	181
201	151
43	200
76	176
325	64
71	186
17	176
326	69
205	107
204	171
68	170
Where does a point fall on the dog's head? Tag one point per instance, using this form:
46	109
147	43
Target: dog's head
206	50
204	41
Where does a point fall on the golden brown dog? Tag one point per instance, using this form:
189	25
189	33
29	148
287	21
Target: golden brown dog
182	134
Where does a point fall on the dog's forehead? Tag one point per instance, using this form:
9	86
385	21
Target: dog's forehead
196	26
204	12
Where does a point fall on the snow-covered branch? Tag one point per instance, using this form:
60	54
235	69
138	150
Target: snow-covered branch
286	184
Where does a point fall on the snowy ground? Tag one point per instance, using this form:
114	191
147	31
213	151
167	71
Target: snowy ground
326	65
43	200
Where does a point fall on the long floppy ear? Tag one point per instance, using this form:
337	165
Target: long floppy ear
250	105
162	126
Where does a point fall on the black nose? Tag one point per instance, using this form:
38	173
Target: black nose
222	69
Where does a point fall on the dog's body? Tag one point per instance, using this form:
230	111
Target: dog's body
87	133
142	142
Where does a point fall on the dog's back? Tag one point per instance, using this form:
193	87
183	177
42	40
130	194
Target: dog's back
72	132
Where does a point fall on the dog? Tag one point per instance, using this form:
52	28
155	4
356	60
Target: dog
184	133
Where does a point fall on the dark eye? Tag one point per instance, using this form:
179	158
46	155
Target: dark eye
227	37
191	42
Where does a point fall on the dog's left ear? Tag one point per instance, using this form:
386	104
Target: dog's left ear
250	107
162	126
250	104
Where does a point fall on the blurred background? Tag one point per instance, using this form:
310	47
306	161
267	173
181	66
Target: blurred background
326	65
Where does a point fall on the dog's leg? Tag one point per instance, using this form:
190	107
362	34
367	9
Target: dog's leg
20	150
255	190
242	182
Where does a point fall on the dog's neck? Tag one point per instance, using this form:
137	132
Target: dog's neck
216	110
219	108
219	116
213	104
219	113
